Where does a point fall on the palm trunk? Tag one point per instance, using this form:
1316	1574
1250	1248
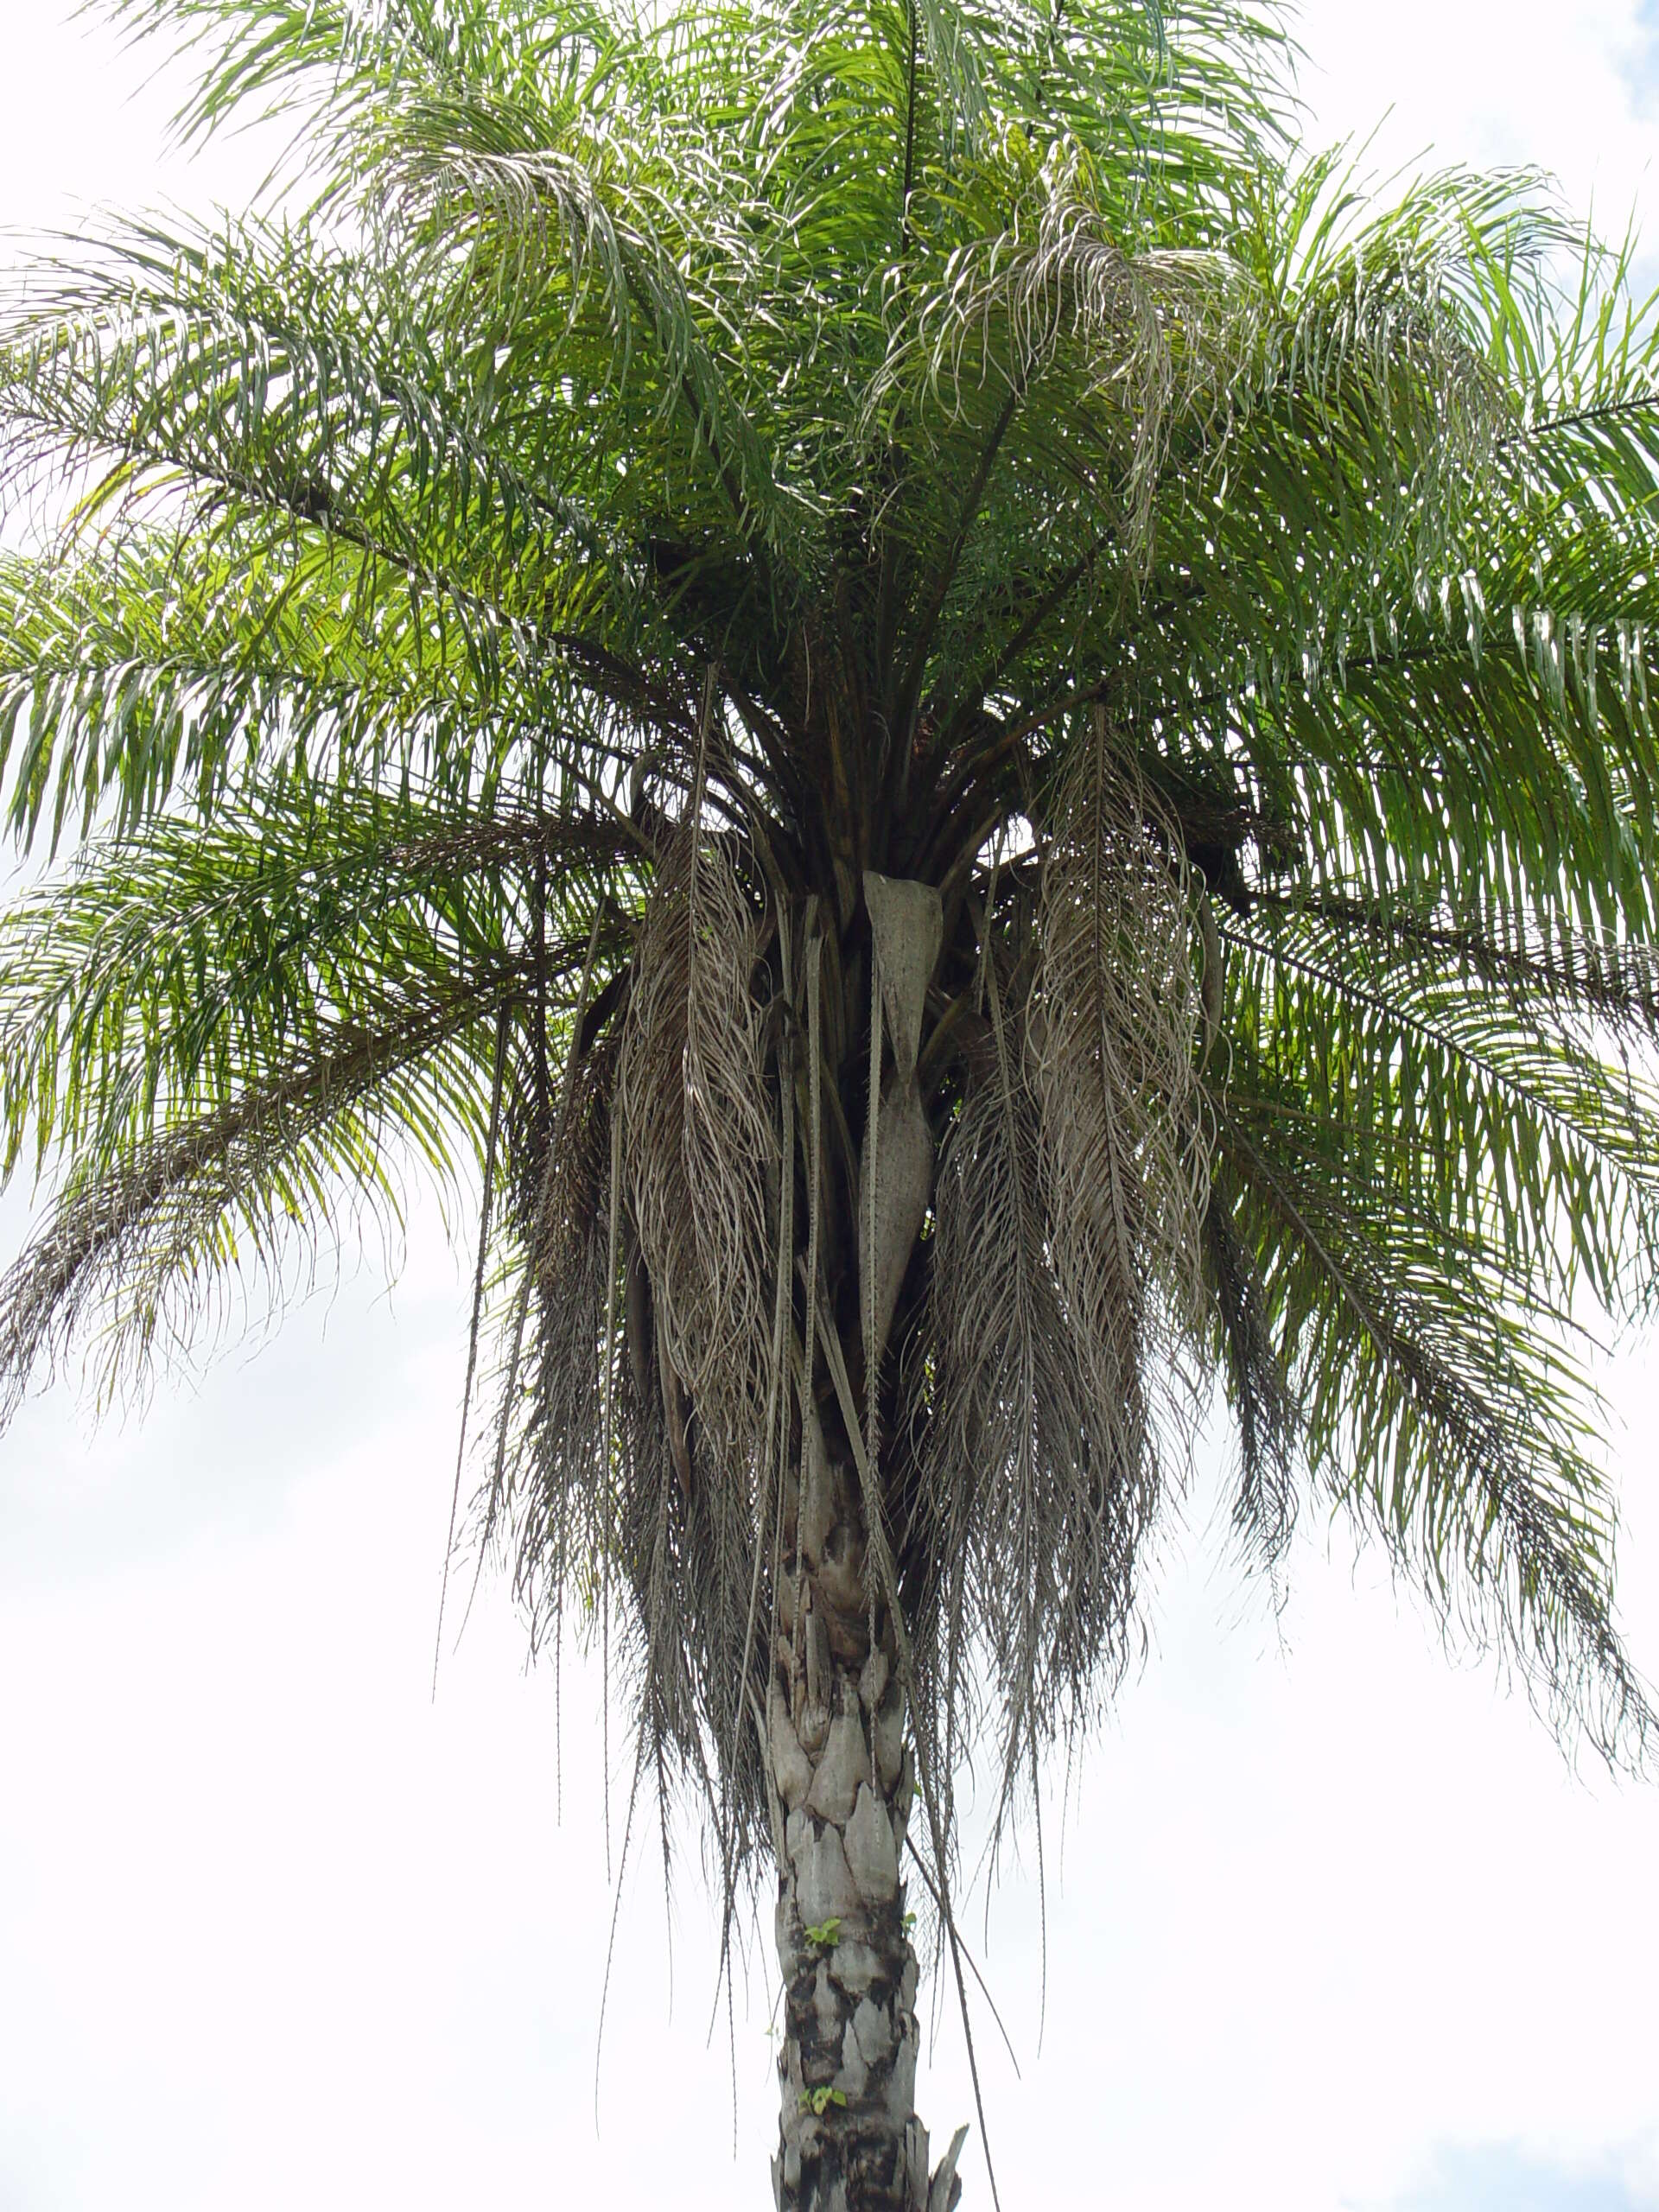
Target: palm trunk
843	1773
837	1752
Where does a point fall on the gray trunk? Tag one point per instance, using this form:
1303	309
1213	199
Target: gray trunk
837	1747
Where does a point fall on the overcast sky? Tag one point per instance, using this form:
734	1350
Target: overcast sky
1334	1931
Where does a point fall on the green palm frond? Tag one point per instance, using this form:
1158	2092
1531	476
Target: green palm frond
1437	1402
213	1026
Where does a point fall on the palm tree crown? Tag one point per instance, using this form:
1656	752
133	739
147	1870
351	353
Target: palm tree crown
984	736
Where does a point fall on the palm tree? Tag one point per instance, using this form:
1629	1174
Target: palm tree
979	737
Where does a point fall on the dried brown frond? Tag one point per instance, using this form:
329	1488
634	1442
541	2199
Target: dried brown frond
568	1254
646	1537
1005	1470
699	1140
1258	1389
1115	1023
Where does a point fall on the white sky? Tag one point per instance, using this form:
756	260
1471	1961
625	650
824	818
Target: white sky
1335	1930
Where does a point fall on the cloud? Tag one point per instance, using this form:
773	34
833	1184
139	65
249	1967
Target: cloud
1506	2177
1570	90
